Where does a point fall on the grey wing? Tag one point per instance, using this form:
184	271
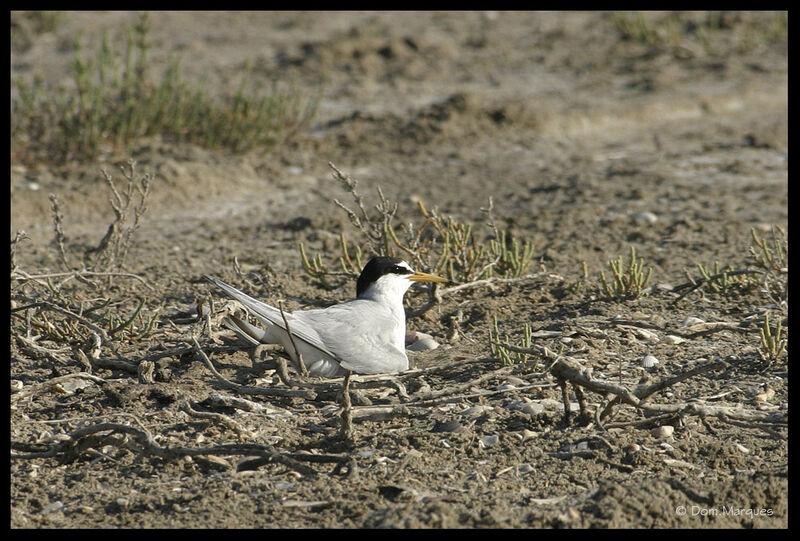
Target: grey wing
269	315
361	337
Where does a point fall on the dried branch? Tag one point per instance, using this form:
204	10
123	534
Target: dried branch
142	442
18	274
49	384
247	389
61	238
570	370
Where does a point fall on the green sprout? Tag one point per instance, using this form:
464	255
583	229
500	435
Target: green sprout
628	283
770	254
435	242
508	357
773	342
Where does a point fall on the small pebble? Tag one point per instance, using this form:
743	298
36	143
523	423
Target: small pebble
646	335
645	217
476	411
558	405
524	468
488	441
532	408
52	507
572	447
633	448
447	426
672	339
550	403
662	432
764	397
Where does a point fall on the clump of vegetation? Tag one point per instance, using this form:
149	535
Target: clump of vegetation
437	243
638	27
723	280
505	355
82	306
25	25
771	255
580	284
773	341
627	282
691	33
114	246
114	101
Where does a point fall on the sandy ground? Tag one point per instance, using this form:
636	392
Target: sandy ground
588	144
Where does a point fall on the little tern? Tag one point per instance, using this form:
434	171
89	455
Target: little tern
365	335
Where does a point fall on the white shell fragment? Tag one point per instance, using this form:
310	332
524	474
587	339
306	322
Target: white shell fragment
546	334
557	405
662	432
52	507
476	411
741	448
691	320
533	409
645	217
649	361
75	384
672	339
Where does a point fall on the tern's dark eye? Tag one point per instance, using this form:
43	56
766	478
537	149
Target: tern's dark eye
397	269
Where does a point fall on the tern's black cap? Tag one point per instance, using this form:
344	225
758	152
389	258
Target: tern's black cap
377	267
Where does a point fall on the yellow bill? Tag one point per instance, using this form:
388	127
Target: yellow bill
425	277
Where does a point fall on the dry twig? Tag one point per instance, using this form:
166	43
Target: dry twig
142	442
247	389
570	370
